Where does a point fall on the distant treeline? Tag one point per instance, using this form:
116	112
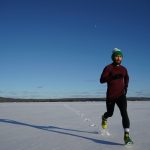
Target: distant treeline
3	99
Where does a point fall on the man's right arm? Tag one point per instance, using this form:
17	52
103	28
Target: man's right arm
105	75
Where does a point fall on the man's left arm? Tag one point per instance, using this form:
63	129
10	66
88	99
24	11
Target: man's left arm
126	81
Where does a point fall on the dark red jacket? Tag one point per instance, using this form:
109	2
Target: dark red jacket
117	80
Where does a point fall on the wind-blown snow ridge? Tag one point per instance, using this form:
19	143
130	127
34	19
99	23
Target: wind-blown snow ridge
81	115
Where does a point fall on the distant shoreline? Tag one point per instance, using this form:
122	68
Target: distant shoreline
4	99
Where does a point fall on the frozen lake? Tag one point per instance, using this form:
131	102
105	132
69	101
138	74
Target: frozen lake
70	126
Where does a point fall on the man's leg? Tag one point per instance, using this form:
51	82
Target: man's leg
122	104
110	109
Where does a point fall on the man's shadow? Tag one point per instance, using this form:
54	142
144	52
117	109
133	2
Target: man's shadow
60	130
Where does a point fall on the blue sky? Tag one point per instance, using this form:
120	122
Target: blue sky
58	49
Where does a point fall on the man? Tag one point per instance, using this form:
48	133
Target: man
116	77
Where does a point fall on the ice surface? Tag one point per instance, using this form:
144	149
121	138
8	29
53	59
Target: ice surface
70	126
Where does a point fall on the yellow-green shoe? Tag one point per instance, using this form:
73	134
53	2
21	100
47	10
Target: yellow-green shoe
127	139
104	123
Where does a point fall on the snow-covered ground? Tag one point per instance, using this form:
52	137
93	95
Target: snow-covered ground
70	126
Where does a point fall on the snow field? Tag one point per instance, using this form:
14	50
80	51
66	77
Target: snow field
70	126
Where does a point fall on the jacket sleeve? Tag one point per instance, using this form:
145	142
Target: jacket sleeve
126	81
105	76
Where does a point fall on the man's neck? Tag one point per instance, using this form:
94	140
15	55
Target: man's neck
115	64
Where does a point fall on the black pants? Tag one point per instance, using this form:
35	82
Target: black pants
122	104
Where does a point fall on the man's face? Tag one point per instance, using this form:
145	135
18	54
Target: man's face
118	59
